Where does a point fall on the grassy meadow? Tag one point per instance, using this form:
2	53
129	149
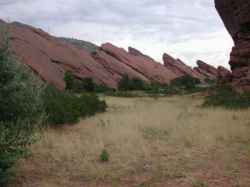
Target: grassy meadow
168	141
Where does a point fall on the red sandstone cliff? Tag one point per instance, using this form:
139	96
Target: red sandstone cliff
50	57
236	17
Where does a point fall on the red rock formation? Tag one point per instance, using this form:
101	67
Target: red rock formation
116	67
147	67
50	57
179	67
206	71
236	17
136	52
207	68
224	75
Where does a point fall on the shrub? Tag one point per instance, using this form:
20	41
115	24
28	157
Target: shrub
88	85
186	82
89	104
20	108
65	107
69	81
60	107
127	84
82	85
228	98
104	156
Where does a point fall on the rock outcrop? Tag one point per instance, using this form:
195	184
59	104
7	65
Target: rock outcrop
224	75
236	17
147	67
116	68
203	71
50	57
210	70
179	67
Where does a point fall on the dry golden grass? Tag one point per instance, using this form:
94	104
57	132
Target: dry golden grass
151	142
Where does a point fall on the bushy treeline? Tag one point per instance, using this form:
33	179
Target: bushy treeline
185	84
227	97
65	107
27	104
127	84
181	85
76	85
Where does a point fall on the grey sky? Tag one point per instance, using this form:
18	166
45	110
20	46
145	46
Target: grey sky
187	29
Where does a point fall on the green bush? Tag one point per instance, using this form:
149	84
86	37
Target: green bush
60	107
104	156
228	98
20	107
82	85
89	104
65	107
186	82
127	84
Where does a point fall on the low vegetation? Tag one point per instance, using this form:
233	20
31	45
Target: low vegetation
170	141
182	85
228	98
127	84
65	107
104	156
77	85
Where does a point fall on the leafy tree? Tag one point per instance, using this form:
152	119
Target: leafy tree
20	108
79	85
127	84
88	84
69	81
124	83
186	82
65	107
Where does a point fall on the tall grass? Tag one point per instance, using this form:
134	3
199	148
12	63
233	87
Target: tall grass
148	140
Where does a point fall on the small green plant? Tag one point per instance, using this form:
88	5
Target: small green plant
104	156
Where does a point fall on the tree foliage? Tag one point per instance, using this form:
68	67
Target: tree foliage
20	108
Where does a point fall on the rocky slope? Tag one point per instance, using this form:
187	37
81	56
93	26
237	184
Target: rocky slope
236	17
203	70
50	57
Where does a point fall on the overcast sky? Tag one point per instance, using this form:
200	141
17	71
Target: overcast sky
187	29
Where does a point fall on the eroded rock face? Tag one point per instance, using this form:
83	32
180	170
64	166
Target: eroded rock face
224	75
179	67
236	17
207	68
50	57
147	67
116	68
